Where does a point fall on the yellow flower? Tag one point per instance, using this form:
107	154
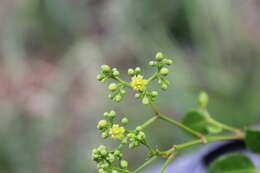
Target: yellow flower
138	83
117	132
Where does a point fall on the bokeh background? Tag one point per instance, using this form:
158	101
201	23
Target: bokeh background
51	50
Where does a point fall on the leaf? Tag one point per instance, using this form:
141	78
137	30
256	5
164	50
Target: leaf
198	121
253	140
232	163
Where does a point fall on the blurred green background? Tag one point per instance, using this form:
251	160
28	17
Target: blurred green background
51	50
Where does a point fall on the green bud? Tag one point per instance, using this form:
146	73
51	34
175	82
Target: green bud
101	171
152	63
112	114
105	135
124	121
122	91
117	152
164	71
110	158
102	124
203	99
114	171
137	95
167	62
138	128
100	77
164	86
124	141
137	70
110	96
117	98
131	72
105	68
131	145
123	164
106	115
145	100
112	87
116	73
154	93
159	56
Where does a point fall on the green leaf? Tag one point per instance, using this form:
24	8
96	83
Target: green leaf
200	122
232	163
253	140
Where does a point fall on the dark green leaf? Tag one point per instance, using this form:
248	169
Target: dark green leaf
253	140
232	163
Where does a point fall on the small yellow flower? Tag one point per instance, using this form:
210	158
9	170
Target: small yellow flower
117	132
138	83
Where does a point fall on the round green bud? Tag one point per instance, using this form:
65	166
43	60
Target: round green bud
112	114
138	128
117	98
137	70
164	86
131	145
122	91
101	171
102	124
105	135
110	96
124	141
167	61
145	100
137	95
152	63
124	121
106	114
116	73
99	77
123	164
105	68
164	71
110	158
203	99
159	56
154	93
131	72
112	87
117	152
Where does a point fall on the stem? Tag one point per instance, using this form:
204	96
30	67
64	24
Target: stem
154	76
122	82
224	126
145	164
180	125
149	122
122	170
168	161
195	142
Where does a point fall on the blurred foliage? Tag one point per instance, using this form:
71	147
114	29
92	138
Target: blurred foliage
50	51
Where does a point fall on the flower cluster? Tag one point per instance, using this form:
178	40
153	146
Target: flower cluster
138	83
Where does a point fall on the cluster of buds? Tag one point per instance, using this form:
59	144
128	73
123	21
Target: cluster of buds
136	138
105	159
116	89
160	63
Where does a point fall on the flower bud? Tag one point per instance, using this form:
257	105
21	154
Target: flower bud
101	171
124	121
145	100
112	114
112	87
137	95
154	93
159	56
114	171
117	98
137	70
164	86
123	164
110	158
203	99
122	91
152	63
138	128
131	72
164	71
100	77
106	115
102	124
105	68
117	152
105	135
168	62
116	73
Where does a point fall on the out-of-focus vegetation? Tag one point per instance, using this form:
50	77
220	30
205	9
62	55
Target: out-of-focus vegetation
50	52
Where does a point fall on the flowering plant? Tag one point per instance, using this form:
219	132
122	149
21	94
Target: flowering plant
197	123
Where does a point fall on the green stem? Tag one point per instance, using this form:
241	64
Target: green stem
145	164
149	122
224	126
122	170
195	142
122	82
168	161
154	76
180	125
